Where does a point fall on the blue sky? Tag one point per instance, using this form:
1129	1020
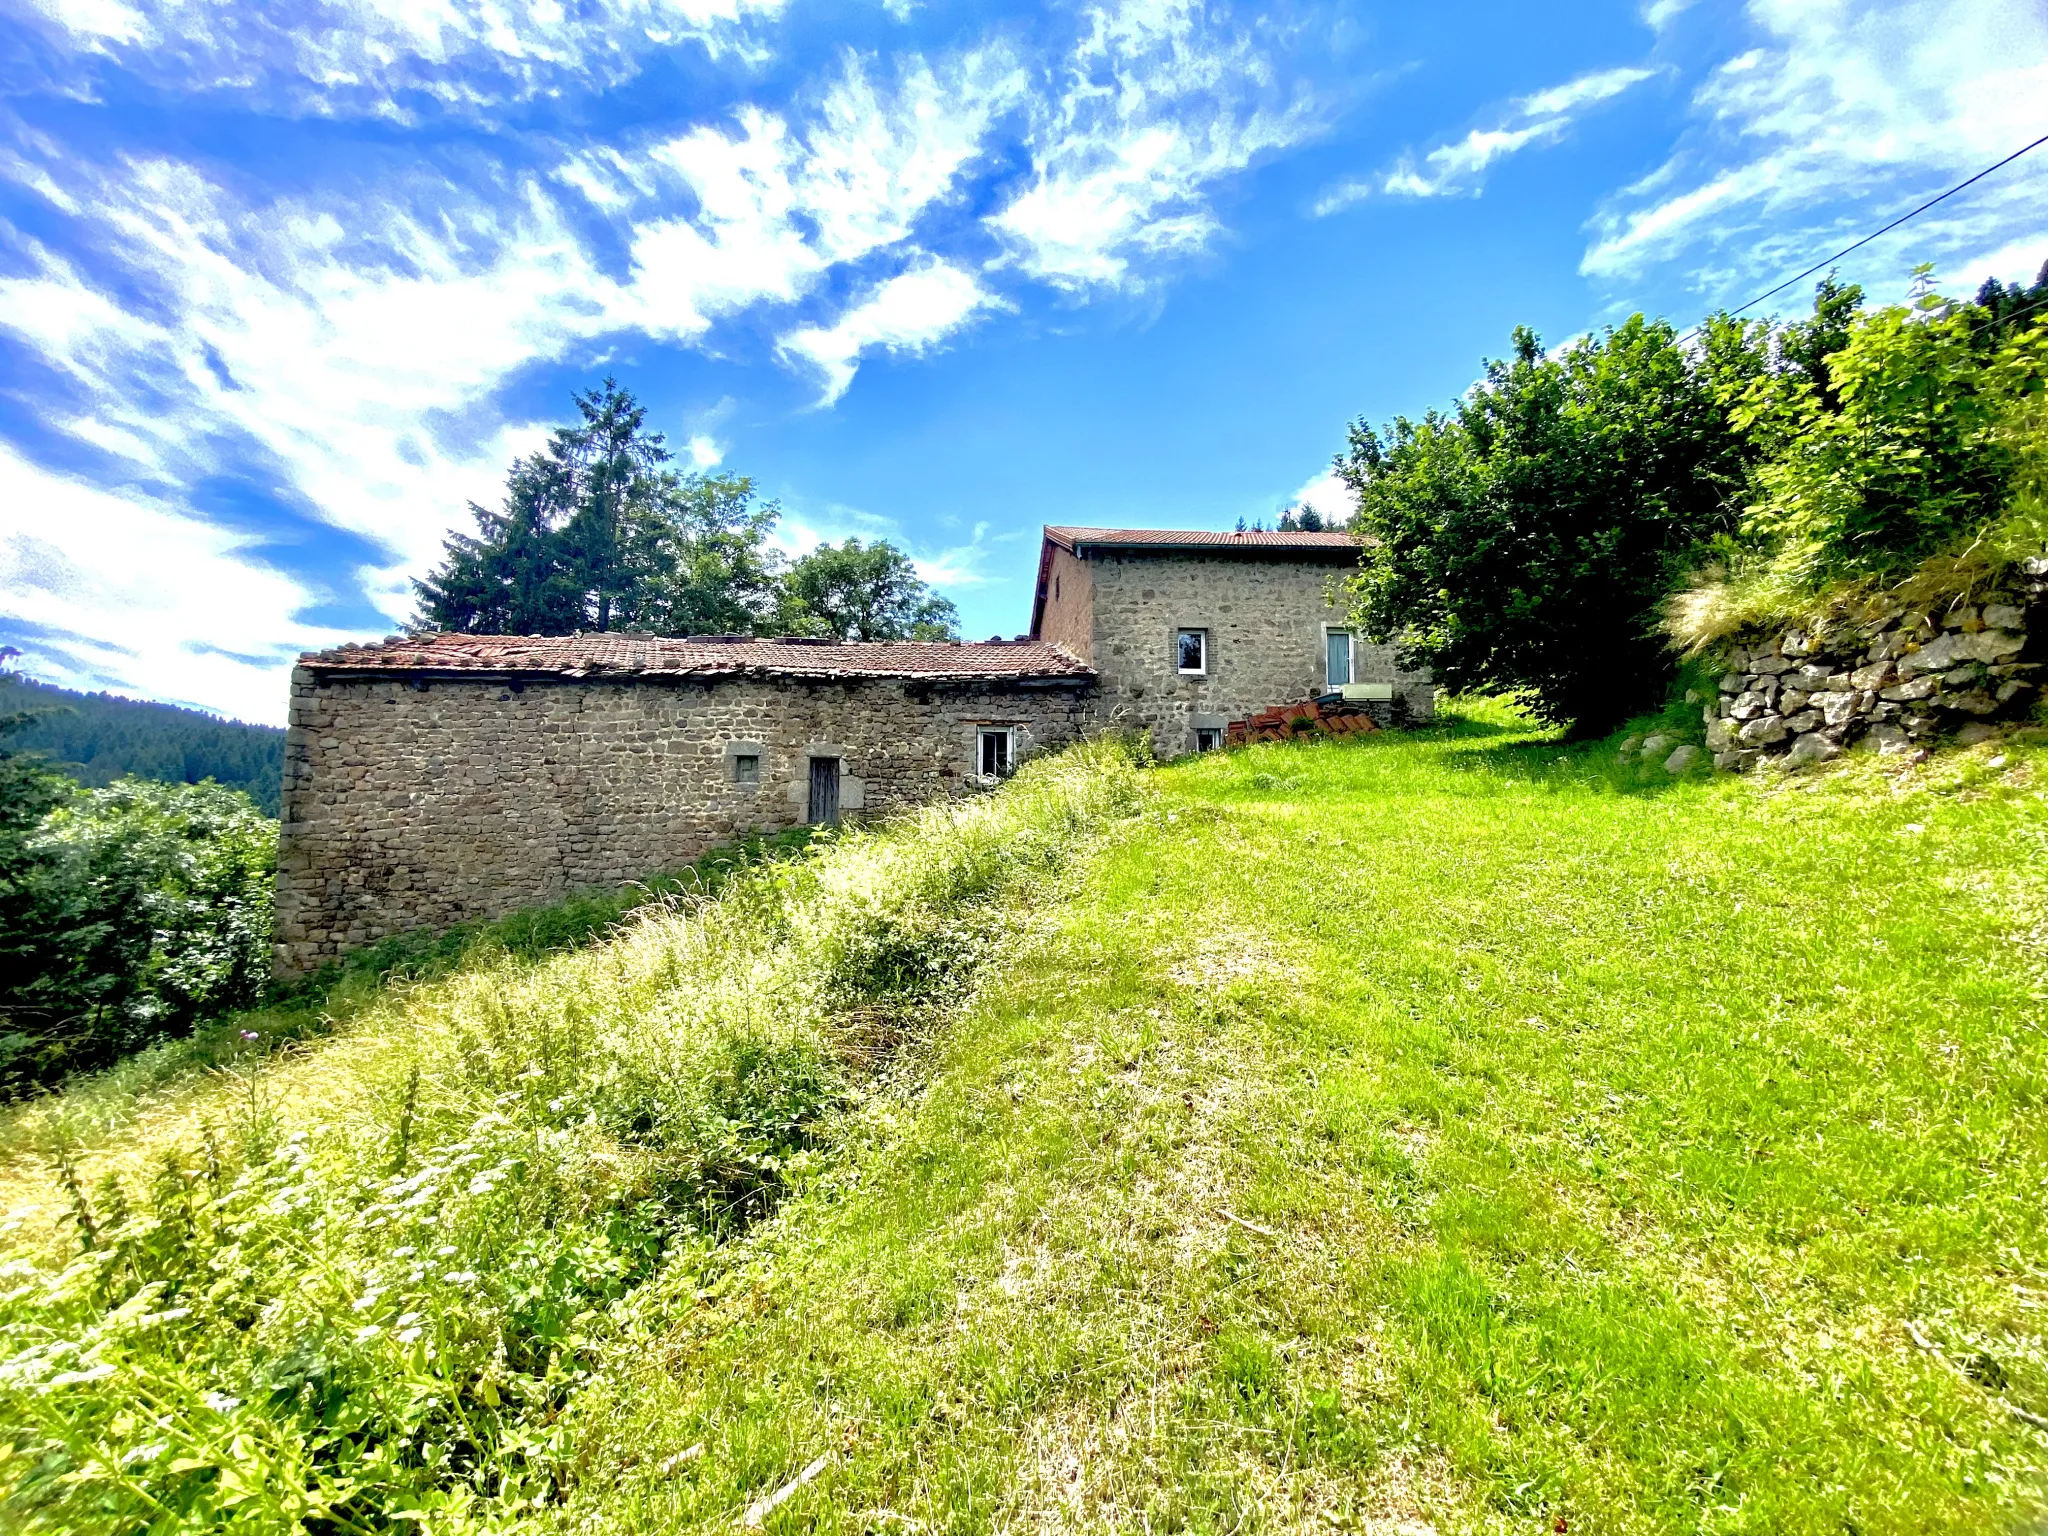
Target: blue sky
284	287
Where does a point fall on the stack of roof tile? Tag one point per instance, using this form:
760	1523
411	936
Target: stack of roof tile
1325	716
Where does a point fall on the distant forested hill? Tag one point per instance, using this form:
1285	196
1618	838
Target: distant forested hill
96	738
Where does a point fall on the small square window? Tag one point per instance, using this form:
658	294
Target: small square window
1191	650
1207	738
994	752
746	768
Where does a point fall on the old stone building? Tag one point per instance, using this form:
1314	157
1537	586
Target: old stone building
437	778
1189	631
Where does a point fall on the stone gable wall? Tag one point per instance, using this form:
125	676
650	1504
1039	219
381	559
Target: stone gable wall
1069	616
419	806
1266	621
1899	677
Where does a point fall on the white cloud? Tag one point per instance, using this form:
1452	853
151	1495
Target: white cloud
1456	168
343	346
331	352
909	313
1846	115
136	597
359	342
1329	495
1152	111
2016	261
373	56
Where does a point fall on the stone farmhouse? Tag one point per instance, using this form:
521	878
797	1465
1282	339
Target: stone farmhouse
437	778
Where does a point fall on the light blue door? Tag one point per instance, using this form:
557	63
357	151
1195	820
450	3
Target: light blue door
1340	657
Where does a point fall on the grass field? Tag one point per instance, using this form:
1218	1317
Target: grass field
1454	1132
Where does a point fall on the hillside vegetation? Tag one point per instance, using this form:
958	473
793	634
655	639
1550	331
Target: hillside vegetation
1455	1132
97	738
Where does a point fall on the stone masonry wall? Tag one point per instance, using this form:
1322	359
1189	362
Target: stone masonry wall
1899	677
422	803
1266	621
1068	619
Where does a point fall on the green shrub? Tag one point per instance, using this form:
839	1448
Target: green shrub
155	914
1913	457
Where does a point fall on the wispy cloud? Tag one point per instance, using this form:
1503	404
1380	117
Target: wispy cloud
120	591
1156	106
1843	116
356	345
391	58
1458	168
911	312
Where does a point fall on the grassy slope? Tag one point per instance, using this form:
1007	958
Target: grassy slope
1458	1131
1453	1132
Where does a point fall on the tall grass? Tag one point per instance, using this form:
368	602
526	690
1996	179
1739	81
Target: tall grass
362	1286
89	1106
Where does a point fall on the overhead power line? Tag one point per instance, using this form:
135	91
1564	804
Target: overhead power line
1895	223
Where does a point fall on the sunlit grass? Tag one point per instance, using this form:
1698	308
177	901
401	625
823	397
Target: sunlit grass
1457	1131
361	1283
1465	1130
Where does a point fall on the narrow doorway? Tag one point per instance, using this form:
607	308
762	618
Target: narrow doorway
824	791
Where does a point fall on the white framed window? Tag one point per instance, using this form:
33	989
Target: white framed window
994	751
1337	657
1191	651
746	768
1207	738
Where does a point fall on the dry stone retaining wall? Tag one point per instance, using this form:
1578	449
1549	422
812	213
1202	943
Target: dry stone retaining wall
1900	677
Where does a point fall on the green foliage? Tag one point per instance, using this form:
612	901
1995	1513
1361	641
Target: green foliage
96	738
1903	448
1525	540
103	1101
33	895
152	912
858	591
1900	453
598	533
370	1302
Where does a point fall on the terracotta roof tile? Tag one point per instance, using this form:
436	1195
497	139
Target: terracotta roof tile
615	655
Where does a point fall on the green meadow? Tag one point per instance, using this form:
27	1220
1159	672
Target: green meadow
1451	1131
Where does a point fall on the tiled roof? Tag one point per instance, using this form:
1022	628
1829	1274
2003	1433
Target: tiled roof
614	655
1175	538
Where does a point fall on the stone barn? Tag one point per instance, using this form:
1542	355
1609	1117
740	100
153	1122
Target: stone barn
436	778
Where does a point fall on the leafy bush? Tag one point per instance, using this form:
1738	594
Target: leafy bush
369	1302
1525	540
1912	453
154	913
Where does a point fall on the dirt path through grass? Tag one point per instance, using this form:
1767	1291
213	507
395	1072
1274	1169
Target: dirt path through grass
1449	1134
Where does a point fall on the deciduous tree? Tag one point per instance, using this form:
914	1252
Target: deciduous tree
856	591
1523	540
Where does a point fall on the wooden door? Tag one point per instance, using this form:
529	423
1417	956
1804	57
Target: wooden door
824	791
